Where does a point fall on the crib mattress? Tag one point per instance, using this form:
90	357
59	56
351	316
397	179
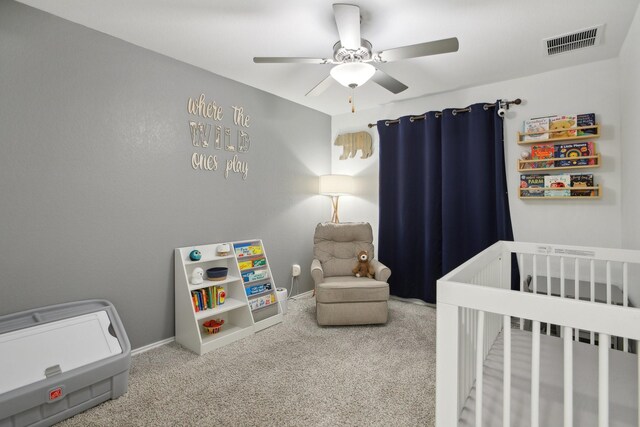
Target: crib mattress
623	391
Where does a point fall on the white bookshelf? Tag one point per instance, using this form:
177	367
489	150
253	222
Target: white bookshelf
239	319
266	315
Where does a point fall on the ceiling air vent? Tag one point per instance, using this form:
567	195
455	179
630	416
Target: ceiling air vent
572	41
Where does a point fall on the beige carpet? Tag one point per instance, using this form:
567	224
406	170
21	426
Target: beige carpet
292	374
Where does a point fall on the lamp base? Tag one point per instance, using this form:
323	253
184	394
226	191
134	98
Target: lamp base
334	205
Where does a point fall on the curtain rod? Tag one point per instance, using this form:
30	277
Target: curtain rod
503	104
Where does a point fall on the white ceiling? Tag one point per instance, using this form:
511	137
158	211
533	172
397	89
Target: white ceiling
499	39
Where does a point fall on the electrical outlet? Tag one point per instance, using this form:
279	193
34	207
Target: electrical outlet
295	270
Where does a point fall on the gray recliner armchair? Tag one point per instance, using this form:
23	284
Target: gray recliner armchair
342	298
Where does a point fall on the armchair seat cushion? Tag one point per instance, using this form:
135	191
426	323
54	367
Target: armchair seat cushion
340	289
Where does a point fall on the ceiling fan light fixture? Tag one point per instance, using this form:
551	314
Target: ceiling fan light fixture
353	74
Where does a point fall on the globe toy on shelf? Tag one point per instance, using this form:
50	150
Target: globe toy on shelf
525	155
195	255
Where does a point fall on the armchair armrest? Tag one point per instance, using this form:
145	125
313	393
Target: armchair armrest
382	272
316	272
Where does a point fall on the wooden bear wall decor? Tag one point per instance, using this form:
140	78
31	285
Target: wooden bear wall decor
352	142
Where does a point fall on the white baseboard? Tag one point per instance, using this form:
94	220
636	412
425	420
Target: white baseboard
151	346
415	301
307	294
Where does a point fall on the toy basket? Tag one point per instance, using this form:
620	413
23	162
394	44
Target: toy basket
213	326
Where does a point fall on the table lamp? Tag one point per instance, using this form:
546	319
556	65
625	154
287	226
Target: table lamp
335	186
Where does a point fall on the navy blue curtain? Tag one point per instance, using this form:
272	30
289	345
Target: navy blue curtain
443	195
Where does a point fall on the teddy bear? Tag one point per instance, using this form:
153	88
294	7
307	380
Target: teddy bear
560	125
364	267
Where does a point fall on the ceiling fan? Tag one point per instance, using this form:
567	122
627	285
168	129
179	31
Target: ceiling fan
352	55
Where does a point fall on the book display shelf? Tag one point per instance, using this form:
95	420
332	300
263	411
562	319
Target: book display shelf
258	284
212	313
552	167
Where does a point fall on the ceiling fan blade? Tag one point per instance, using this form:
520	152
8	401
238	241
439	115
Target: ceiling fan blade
320	87
348	23
388	82
421	49
290	59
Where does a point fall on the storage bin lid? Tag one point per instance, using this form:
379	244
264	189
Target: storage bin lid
69	343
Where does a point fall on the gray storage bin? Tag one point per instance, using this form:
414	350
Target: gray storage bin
60	360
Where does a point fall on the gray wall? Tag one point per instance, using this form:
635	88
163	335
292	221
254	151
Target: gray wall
96	181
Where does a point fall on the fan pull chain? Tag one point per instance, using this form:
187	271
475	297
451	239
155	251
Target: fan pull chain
352	101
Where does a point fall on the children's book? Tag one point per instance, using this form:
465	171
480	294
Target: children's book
542	151
558	185
540	124
198	296
529	182
582	180
588	119
574	151
247	249
564	126
210	300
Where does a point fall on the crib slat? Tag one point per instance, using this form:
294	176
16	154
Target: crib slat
467	339
489	330
577	279
603	380
625	301
522	279
535	274
506	378
460	359
501	276
592	292
562	287
474	343
447	376
577	292
463	355
479	366
535	373
568	376
548	287
608	282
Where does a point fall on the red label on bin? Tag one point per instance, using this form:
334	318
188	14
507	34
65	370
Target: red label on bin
55	393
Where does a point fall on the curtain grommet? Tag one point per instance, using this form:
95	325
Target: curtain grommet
386	123
411	119
454	112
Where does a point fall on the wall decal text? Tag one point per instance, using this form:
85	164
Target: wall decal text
208	133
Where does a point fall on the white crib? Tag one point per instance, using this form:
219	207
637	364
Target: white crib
541	356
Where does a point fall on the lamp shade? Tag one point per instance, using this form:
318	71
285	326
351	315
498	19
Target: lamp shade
353	74
336	185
